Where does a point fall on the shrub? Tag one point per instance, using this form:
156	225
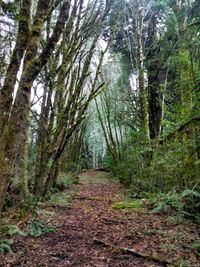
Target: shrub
186	203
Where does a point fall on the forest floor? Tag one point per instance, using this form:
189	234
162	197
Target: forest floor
90	232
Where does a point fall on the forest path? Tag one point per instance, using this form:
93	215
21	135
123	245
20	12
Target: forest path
91	216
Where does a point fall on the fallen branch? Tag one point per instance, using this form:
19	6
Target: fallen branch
111	221
88	198
118	249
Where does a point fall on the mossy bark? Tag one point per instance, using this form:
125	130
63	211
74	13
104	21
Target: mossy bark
6	99
141	80
155	94
18	122
6	93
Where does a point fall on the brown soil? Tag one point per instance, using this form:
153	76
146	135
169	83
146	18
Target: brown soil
91	216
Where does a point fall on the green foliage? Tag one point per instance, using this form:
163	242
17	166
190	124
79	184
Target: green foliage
137	204
28	204
37	229
166	202
11	9
61	199
186	203
66	180
191	204
160	166
71	166
6	245
8	202
196	247
8	230
182	263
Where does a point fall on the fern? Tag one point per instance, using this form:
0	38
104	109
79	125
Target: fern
186	203
196	247
160	207
37	229
6	245
61	199
10	230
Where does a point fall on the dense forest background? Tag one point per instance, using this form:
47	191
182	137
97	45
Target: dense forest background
109	84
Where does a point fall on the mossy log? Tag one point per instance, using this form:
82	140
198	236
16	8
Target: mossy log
123	250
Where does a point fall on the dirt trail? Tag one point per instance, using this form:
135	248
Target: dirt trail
91	215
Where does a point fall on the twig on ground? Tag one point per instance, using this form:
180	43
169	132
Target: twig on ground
108	260
88	198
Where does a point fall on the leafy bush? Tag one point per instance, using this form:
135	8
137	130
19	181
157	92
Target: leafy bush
159	166
191	204
166	202
187	203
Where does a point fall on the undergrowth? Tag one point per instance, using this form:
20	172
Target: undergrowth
183	205
66	180
186	203
37	229
6	245
60	199
7	231
195	246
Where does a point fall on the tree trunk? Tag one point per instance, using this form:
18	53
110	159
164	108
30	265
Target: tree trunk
140	63
18	123
155	96
6	93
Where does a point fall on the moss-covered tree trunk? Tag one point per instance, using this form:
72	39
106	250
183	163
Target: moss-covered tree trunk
155	95
140	65
43	140
184	66
7	91
6	98
19	119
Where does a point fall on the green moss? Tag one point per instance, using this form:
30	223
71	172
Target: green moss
136	204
